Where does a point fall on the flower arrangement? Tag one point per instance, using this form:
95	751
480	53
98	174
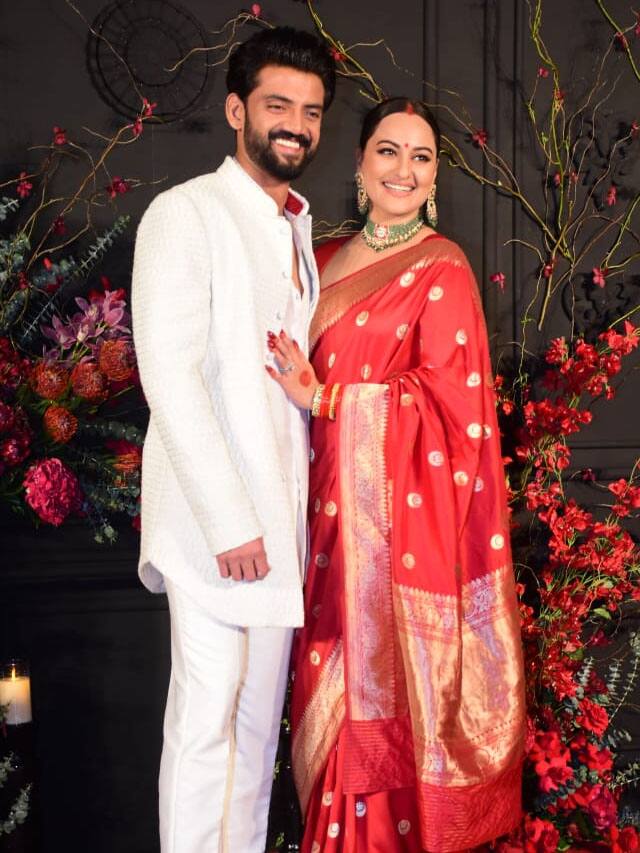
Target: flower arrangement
68	378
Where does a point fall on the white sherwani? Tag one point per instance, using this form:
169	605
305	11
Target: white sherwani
225	461
212	274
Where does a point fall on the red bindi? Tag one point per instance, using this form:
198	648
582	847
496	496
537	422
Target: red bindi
305	378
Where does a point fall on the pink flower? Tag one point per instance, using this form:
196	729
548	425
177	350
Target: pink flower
52	490
148	107
543	72
479	138
612	195
118	186
59	136
256	10
24	187
557	179
635	129
599	276
339	57
547	269
498	278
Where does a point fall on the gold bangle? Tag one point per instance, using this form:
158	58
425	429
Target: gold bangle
332	403
316	400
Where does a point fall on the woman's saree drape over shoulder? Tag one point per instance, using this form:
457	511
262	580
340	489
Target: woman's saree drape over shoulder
410	657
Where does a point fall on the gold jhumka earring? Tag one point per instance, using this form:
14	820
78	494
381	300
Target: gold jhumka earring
432	210
363	198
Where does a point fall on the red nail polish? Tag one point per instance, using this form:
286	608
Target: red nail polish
270	334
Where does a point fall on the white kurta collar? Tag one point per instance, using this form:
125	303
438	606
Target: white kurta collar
233	173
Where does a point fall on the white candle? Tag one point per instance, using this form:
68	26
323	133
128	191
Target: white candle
15	691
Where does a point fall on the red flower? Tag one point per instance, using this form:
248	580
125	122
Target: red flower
541	836
7	417
547	269
59	226
88	381
148	107
543	72
118	186
59	136
624	840
599	276
602	809
592	717
128	456
256	10
557	351
15	449
479	138
635	128
339	57
49	380
24	187
600	760
498	278
557	179
60	423
52	490
621	41
116	360
558	95
612	195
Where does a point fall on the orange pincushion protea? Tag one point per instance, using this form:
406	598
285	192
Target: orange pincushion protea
116	360
129	462
88	381
49	380
60	423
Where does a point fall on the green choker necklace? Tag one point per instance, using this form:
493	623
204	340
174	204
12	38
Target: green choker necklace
380	237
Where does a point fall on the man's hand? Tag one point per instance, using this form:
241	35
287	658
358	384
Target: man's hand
247	562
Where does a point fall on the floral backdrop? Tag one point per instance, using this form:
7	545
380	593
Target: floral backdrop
72	412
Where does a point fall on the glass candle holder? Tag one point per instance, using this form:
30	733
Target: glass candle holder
15	692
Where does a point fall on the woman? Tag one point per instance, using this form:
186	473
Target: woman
408	707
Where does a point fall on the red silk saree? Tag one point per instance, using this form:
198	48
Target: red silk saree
408	700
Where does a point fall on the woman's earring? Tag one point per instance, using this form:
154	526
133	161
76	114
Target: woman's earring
363	198
432	210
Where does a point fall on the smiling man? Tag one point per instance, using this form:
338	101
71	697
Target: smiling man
221	261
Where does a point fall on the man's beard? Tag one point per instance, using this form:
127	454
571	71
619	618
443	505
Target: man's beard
260	151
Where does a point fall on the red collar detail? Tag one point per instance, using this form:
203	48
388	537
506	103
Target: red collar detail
293	204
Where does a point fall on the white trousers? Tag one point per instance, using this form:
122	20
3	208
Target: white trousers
221	730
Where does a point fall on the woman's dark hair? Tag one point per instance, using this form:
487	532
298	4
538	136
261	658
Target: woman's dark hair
281	46
397	105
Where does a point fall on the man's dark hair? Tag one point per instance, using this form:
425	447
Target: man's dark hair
281	46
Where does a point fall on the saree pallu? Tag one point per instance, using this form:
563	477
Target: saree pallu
408	698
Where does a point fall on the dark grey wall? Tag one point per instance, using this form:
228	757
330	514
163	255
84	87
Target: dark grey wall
98	643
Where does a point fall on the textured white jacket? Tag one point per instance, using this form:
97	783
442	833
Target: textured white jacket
212	273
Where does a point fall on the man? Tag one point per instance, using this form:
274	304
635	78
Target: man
220	261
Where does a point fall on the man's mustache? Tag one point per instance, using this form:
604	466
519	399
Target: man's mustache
303	141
